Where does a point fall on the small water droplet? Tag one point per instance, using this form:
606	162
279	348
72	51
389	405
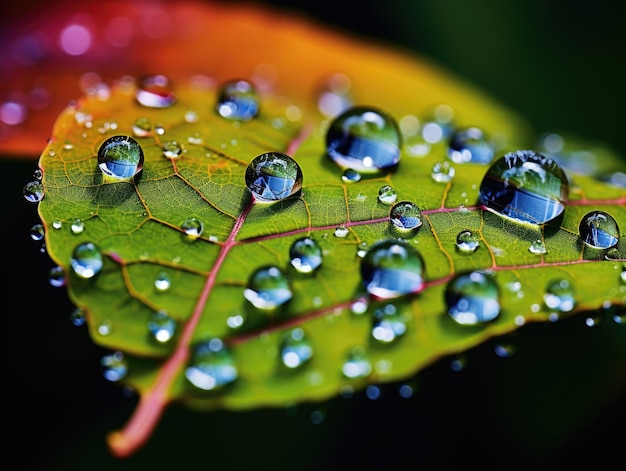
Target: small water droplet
442	172
406	391
341	231
356	365
105	327
372	392
406	216
172	150
155	91
350	176
387	195
142	127
57	224
193	227
37	174
159	129
33	191
295	349
472	298
503	350
359	306
594	320
272	177
537	247
37	232
559	296
389	324
86	260
392	268
238	100
235	321
268	288
305	255
162	282
120	158
470	145
599	230
458	364
114	367
525	186
191	117
77	227
195	138
467	242
161	327
212	366
77	317
364	139
56	276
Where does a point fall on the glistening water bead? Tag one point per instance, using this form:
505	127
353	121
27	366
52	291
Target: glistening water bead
364	139
525	186
295	349
120	158
86	260
272	177
599	230
268	288
472	298
406	216
305	255
212	366
238	100
155	91
391	268
470	145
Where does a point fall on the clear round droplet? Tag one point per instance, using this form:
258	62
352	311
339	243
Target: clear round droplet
392	268
161	327
470	145
238	100
472	298
387	195
37	232
296	349
525	186
142	127
56	276
172	150
86	260
442	172
351	176
341	231
389	324
162	282
305	255
357	365
77	227
467	242
193	227
599	230
406	216
559	296
272	177
57	224
364	139
114	367
33	191
155	91
268	288
537	247
212	366
120	158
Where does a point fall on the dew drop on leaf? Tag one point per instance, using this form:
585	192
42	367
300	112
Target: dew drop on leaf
599	230
305	255
268	288
272	177
537	247
392	268
114	367
120	158
472	298
387	195
105	327
57	224
470	145
155	91
295	349
77	227
467	242
86	260
37	232
212	366
172	150
162	282
525	186
33	191
193	227
406	216
341	231
56	276
357	365
238	100
161	326
351	176
364	139
559	296
442	172
388	324
142	127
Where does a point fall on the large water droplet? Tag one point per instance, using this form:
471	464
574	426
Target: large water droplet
559	296
193	227
472	298
467	242
406	216
212	366
389	324
33	191
470	145
114	367
364	139
155	91
305	255
391	268
295	349
86	260
161	326
387	195
120	158
268	288
238	100
526	186
357	365
273	176
599	230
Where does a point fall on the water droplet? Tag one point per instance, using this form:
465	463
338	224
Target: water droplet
387	195
77	227
57	224
238	100
195	138
161	326
120	158
56	277
356	365
525	186
191	117
86	260
341	231
359	306
295	349
37	174
442	172
372	392
114	366
172	150
364	139
193	228
406	216
392	268
212	366
599	230
389	324
105	327
537	247
472	298
467	242
503	350
142	127
162	281
33	191
273	176
37	232
268	288
77	317
351	176
305	255
559	296
470	145
406	391
155	91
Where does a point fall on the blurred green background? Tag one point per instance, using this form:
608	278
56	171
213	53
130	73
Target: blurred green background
556	403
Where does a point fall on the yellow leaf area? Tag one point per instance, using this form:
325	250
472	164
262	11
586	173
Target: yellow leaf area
137	225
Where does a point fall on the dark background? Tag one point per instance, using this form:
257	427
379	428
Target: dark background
556	403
